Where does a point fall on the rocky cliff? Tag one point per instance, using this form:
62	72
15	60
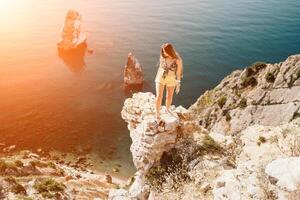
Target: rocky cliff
266	94
31	176
240	140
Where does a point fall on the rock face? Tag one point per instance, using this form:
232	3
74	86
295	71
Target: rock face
26	175
133	74
264	167
266	94
254	166
150	139
236	142
285	171
71	36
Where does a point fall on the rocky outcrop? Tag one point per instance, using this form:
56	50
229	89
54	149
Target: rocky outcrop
71	36
263	152
133	74
27	175
220	167
285	172
150	139
266	94
235	142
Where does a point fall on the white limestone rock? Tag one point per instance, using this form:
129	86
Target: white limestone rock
150	138
118	194
249	99
286	171
72	35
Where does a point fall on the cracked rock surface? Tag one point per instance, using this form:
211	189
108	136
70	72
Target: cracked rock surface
239	141
266	94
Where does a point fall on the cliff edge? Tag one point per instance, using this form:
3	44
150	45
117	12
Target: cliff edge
236	142
266	94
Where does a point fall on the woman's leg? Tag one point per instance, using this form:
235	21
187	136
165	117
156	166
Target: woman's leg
159	96
169	98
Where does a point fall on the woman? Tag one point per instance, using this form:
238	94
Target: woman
169	74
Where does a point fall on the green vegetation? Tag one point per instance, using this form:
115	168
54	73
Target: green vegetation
51	165
261	140
222	101
209	145
19	163
249	81
273	139
3	165
243	103
298	74
254	68
47	195
16	187
61	172
48	185
270	78
227	116
37	163
10	179
249	72
172	166
258	66
206	99
25	198
238	93
156	176
6	165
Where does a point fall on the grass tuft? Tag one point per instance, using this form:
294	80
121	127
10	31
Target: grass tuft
222	101
261	140
258	66
48	185
298	74
270	78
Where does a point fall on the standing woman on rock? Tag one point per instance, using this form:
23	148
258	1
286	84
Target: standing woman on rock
169	74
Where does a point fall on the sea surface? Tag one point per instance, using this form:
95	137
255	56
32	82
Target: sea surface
51	102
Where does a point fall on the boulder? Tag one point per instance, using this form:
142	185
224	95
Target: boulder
133	74
286	171
118	194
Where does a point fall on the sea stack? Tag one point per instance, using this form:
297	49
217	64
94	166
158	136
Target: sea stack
71	36
133	74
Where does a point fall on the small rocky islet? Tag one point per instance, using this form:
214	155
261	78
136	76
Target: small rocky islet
240	140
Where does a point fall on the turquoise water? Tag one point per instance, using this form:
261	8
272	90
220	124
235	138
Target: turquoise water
46	102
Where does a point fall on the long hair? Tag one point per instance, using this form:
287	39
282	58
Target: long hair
169	49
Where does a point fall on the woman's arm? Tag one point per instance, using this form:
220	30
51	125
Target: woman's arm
179	72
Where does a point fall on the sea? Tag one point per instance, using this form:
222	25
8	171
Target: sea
51	102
